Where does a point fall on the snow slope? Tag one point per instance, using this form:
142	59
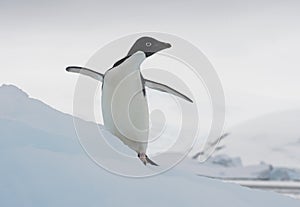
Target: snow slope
42	164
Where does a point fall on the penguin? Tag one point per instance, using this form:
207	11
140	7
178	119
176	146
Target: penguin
124	101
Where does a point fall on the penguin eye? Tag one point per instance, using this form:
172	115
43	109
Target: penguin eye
148	44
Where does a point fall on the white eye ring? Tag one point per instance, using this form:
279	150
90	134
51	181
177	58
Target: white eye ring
148	44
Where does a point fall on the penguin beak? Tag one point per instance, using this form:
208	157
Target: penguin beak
168	45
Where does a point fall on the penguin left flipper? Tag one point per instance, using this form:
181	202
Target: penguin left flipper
165	88
85	71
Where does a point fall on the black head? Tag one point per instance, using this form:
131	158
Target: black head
148	45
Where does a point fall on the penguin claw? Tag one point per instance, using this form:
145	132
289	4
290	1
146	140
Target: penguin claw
150	161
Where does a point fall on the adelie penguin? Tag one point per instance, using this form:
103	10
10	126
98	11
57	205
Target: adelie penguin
124	102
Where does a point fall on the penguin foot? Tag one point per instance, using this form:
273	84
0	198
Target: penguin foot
145	159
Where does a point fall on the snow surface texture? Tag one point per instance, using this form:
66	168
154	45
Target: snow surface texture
42	164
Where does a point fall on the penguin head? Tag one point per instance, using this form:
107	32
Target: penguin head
148	45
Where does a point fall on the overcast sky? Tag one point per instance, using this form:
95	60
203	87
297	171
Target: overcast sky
253	45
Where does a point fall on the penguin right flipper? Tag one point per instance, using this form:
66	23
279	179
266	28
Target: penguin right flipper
85	71
165	88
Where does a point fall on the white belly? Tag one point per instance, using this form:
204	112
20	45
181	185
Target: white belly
125	108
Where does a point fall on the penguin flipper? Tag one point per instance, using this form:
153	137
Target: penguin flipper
85	71
165	88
